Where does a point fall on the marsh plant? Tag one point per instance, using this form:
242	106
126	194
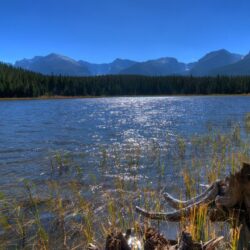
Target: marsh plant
73	207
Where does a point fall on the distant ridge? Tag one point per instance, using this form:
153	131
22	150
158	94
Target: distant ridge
54	64
112	68
219	62
214	60
159	67
241	67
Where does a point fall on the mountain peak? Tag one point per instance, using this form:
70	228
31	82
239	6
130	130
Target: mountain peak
222	51
161	66
164	60
54	64
216	53
212	62
120	60
54	56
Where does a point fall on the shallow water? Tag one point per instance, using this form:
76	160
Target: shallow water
31	132
100	141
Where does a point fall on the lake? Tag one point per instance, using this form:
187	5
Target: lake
33	132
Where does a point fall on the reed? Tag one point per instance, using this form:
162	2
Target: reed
83	210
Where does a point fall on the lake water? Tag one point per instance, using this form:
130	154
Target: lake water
33	132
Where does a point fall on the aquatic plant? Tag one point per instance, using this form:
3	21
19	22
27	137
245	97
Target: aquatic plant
71	209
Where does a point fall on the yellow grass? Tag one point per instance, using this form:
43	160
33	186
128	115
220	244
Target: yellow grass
197	160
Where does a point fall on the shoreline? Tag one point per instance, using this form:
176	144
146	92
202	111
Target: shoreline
98	97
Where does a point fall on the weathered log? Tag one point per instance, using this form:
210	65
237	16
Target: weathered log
186	242
152	240
116	241
177	204
224	198
212	244
228	200
184	212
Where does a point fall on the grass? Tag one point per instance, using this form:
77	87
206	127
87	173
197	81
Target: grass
72	209
234	237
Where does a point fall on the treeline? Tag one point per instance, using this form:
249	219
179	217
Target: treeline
20	83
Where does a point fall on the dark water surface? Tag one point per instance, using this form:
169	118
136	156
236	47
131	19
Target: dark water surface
31	132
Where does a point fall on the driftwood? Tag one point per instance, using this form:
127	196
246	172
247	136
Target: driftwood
228	200
152	240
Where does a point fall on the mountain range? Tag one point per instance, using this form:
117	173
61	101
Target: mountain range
220	62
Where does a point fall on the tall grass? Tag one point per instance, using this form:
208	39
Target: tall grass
73	209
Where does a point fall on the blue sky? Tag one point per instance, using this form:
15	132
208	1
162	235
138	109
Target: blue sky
102	30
